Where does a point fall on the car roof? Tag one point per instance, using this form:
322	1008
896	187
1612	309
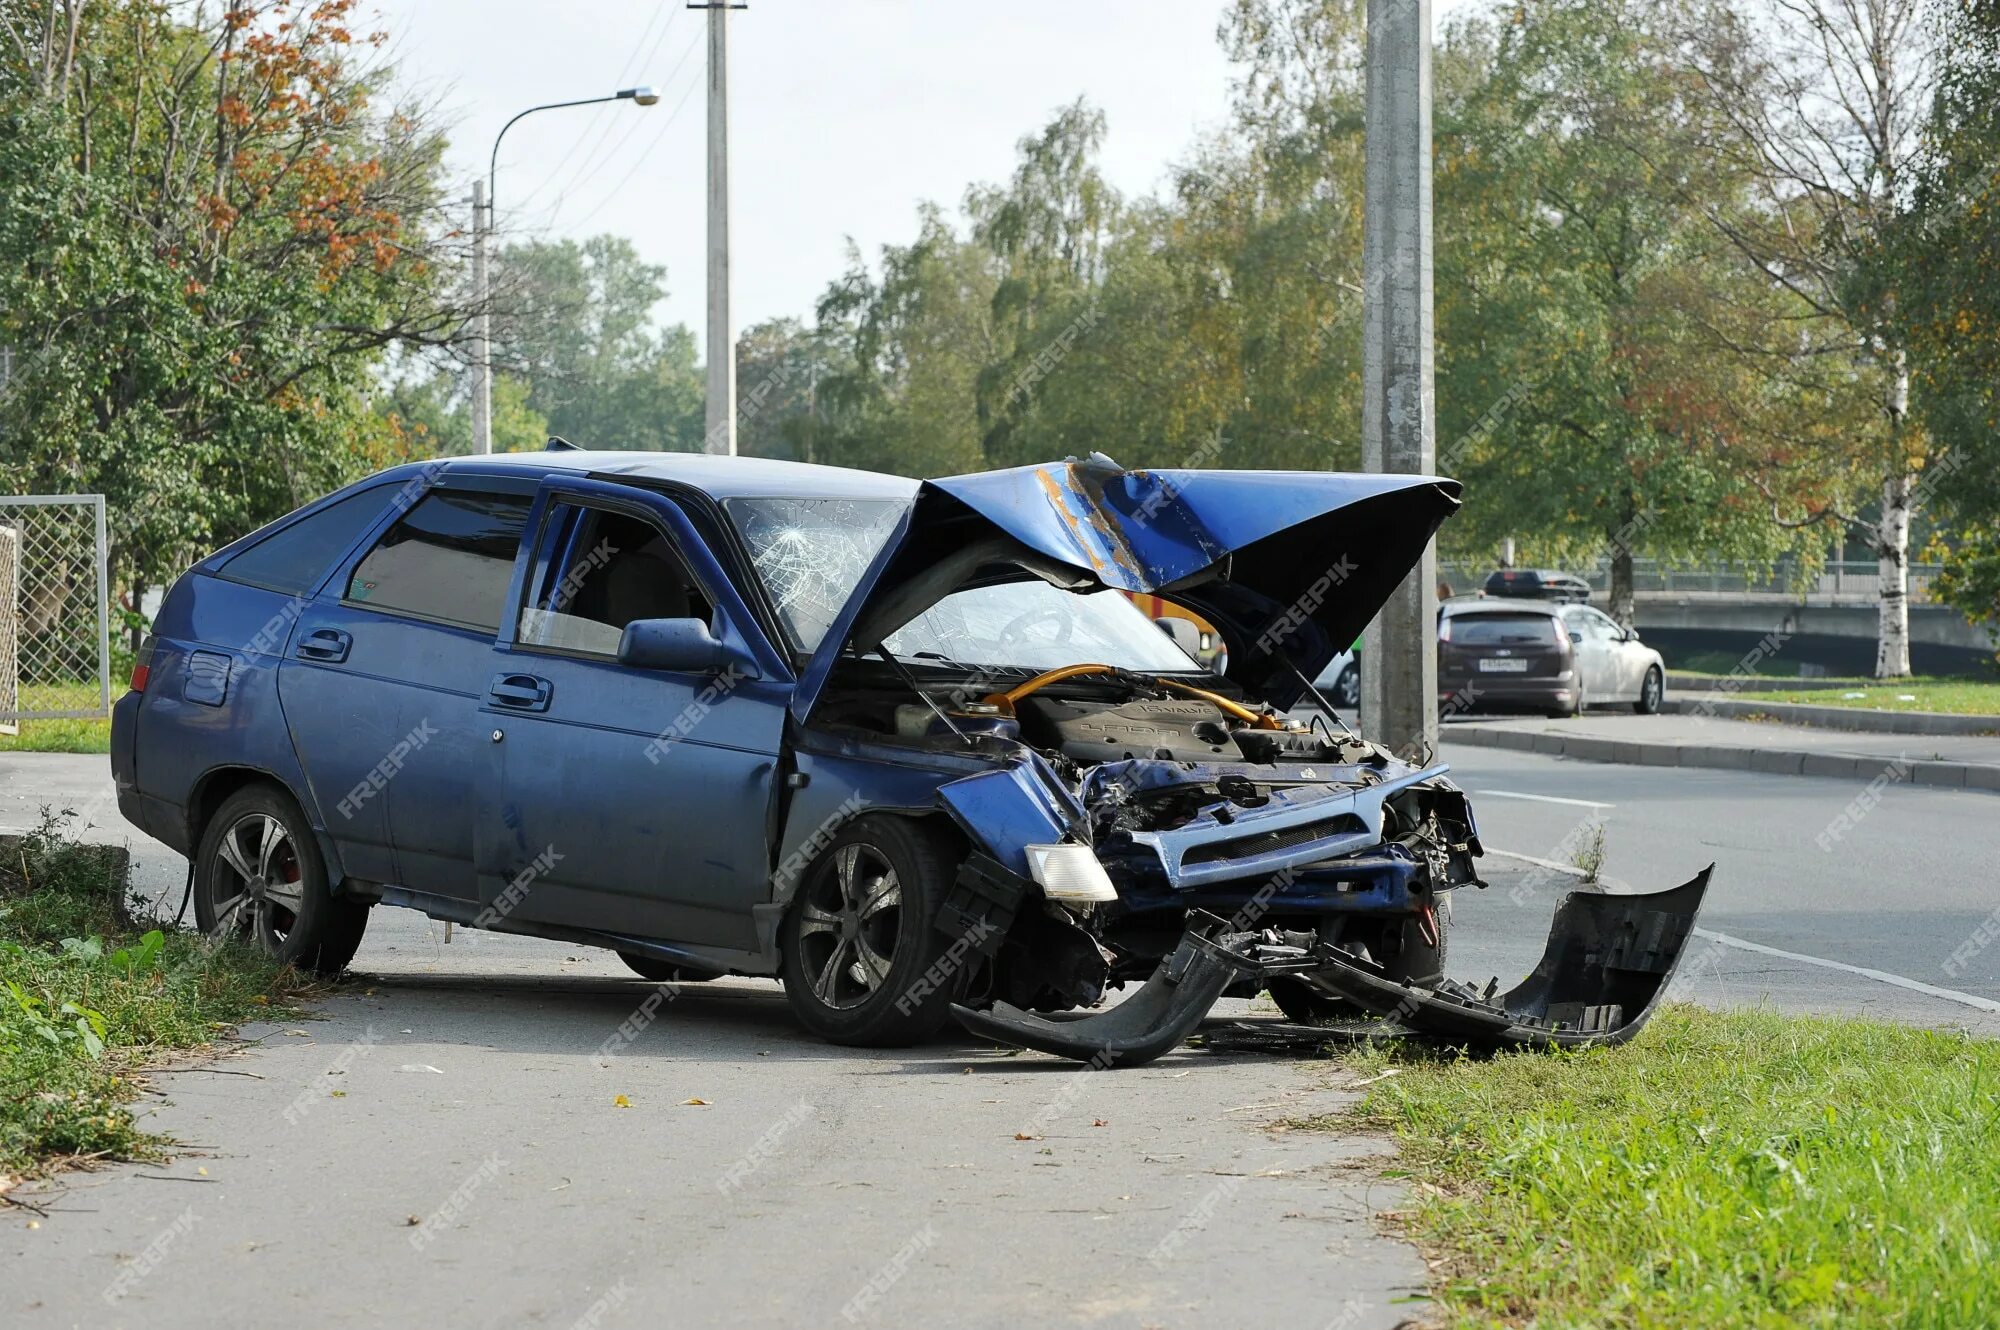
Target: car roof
718	477
1503	605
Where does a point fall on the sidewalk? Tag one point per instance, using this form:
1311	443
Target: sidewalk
1952	761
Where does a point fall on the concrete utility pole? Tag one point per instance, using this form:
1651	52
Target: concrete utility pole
1398	429
482	324
721	434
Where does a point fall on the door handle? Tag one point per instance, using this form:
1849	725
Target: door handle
330	644
522	692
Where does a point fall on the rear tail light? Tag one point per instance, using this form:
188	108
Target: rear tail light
142	664
1562	634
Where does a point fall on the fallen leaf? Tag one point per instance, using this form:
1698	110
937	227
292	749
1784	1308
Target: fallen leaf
340	1094
620	1101
1099	1122
699	1103
261	1000
199	1169
1024	1136
411	1222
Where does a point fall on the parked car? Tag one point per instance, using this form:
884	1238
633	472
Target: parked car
1531	655
1340	681
903	746
1538	584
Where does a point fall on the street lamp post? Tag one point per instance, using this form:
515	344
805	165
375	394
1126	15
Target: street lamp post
482	229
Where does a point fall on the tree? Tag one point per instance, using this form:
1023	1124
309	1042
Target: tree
575	322
209	234
1579	393
1946	251
1821	104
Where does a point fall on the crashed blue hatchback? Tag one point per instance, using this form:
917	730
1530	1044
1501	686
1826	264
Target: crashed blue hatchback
908	747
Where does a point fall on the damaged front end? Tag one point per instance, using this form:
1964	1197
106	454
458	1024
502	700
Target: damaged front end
1135	820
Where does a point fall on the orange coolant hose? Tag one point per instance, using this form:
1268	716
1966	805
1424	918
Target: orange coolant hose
1005	701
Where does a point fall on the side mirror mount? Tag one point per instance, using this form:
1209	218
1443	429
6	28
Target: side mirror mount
684	646
1629	635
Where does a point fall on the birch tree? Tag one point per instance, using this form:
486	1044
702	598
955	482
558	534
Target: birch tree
1822	103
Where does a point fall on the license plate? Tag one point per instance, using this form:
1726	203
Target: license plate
1503	666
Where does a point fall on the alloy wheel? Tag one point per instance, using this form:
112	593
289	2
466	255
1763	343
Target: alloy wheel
256	889
849	922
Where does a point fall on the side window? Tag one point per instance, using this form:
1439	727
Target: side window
292	558
609	569
1606	626
449	558
1578	624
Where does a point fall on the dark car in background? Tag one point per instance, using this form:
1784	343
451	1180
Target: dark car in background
1537	584
1499	654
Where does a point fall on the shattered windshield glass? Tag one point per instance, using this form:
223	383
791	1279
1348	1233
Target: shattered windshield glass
1032	625
811	553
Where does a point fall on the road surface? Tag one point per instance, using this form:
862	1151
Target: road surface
476	1088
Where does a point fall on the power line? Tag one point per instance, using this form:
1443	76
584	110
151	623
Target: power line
599	155
602	123
640	161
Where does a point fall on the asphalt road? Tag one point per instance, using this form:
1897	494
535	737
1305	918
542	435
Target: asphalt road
470	1086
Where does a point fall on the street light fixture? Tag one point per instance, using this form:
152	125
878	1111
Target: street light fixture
483	195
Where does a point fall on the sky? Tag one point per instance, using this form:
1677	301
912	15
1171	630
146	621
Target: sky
845	116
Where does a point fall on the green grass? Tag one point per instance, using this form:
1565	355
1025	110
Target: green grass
89	995
1970	697
1735	1170
60	736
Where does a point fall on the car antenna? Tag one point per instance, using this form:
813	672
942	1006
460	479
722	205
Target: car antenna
1324	705
911	679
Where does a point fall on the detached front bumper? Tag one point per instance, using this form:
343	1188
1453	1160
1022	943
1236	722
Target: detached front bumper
1606	965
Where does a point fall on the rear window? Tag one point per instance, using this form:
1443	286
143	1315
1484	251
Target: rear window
1502	630
293	558
451	557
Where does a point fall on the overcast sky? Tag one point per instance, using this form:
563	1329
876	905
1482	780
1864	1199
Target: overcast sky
845	115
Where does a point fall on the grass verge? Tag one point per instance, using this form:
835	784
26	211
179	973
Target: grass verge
89	994
1963	697
59	736
1723	1170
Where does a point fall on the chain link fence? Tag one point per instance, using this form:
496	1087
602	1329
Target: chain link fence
55	645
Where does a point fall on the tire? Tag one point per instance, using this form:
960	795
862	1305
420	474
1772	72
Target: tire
1651	693
259	877
661	972
1347	688
839	982
1303	1003
1407	955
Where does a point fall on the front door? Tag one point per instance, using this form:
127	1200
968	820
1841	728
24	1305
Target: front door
382	688
628	801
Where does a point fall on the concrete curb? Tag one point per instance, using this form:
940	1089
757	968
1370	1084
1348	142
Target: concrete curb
1724	757
1862	720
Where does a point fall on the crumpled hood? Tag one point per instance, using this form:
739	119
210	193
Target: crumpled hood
1290	566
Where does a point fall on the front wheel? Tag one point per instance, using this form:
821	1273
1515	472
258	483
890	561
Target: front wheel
1650	693
863	962
259	879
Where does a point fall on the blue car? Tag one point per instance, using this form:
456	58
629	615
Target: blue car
907	747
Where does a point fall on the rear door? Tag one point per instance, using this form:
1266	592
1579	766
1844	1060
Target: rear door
385	679
635	802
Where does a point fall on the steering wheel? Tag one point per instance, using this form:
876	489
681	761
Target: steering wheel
1017	627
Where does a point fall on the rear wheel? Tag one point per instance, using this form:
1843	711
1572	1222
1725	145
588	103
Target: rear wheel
259	879
1347	688
859	944
1650	693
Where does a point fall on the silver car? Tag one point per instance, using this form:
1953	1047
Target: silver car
1612	664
